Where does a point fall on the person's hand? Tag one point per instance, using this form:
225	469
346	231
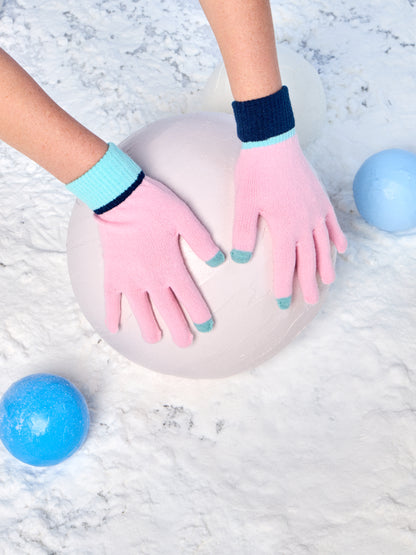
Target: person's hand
139	232
143	260
274	180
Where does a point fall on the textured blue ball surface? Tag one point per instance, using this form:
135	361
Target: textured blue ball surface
44	419
385	190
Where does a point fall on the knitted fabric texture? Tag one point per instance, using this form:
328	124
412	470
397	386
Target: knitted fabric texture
273	180
262	118
109	182
144	262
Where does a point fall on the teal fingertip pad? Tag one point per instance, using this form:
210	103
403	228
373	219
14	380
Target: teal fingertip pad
216	260
284	303
241	257
206	326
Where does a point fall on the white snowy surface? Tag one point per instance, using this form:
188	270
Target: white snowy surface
311	453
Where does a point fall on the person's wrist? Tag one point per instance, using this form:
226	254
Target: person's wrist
109	182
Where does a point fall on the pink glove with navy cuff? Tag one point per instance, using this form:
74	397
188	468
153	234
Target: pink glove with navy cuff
274	180
140	221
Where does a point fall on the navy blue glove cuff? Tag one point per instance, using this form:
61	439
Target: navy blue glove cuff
263	118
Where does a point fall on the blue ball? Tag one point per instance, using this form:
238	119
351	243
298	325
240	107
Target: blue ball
44	419
385	190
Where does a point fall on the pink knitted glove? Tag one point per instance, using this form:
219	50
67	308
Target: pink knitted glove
143	260
274	180
139	230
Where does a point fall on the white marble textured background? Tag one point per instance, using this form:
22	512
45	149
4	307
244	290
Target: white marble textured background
311	453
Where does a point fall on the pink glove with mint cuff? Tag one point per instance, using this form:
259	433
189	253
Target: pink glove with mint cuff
274	180
140	221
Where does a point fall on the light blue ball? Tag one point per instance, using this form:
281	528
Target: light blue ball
385	190
44	419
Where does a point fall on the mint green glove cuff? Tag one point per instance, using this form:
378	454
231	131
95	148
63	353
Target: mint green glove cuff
113	178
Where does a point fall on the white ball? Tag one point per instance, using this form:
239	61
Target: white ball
305	89
195	155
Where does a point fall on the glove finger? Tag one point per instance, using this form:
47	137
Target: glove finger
335	232
306	268
244	229
197	236
190	297
165	301
112	310
143	312
284	262
323	254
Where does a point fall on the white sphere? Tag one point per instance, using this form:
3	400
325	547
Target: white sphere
305	89
194	154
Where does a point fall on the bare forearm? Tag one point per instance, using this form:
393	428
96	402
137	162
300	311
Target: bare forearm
245	36
36	126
